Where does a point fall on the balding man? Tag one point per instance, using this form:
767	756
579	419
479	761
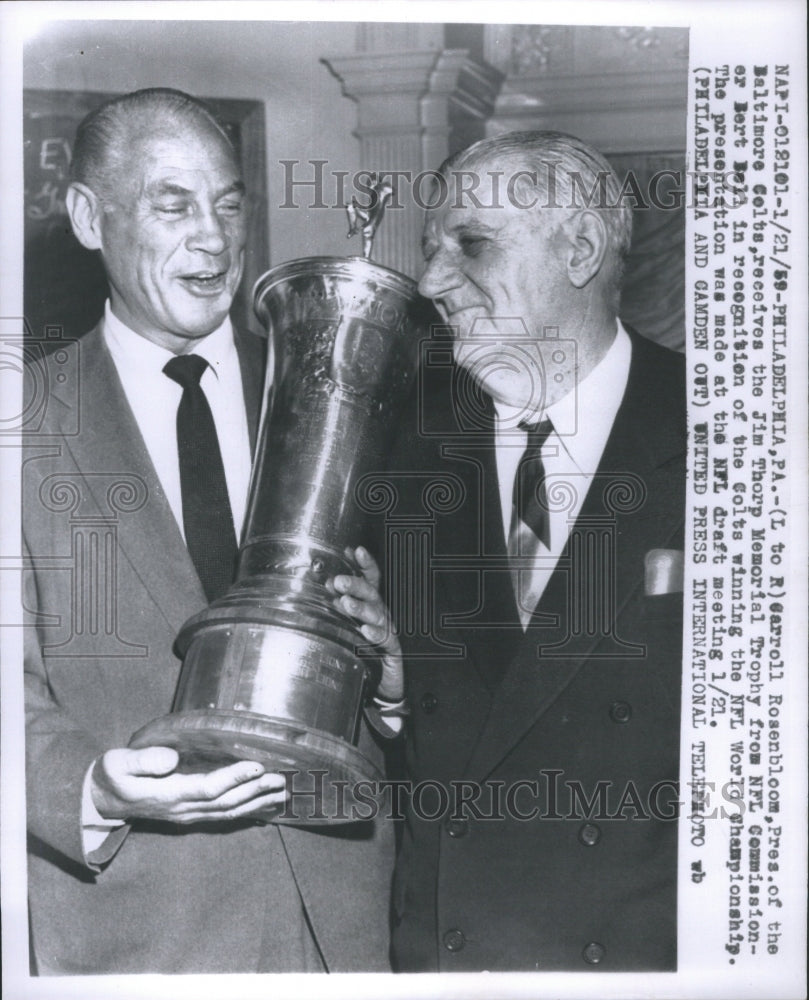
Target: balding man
545	692
135	866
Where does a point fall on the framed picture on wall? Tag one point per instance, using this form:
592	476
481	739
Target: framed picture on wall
64	284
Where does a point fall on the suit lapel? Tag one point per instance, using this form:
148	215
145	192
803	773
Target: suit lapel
634	472
148	536
108	449
473	598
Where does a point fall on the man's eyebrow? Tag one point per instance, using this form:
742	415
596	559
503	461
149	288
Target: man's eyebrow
237	187
471	229
168	187
172	188
458	231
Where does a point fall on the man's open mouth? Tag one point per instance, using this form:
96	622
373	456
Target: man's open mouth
205	282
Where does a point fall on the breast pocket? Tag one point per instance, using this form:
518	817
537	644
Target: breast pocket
661	627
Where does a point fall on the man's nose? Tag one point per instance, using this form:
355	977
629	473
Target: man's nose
439	276
209	233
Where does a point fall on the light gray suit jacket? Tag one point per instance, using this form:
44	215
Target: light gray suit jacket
110	583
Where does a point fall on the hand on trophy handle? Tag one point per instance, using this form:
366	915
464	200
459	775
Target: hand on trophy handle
131	784
361	599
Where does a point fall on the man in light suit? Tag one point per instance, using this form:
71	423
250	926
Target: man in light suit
133	865
542	657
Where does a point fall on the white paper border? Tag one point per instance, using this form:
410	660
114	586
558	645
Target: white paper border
741	32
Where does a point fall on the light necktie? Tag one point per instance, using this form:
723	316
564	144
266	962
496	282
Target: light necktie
207	518
529	507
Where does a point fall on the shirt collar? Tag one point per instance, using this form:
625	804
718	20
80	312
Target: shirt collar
139	355
583	418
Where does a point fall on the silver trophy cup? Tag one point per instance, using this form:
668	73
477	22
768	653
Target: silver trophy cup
272	672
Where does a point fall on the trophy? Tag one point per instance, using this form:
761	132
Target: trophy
272	671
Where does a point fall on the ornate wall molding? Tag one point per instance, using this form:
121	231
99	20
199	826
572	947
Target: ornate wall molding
621	88
633	111
528	50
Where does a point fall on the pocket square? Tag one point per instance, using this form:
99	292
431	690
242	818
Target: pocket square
663	571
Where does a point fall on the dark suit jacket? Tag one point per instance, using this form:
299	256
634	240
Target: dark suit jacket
111	582
585	704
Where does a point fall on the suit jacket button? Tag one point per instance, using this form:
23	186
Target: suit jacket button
589	834
454	940
428	703
593	953
457	828
620	711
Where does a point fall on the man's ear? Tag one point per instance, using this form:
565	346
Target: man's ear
85	211
588	242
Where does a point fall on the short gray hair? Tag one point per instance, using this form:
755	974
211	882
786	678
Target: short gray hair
103	135
578	170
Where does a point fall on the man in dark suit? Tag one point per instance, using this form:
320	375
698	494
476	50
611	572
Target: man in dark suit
133	865
543	473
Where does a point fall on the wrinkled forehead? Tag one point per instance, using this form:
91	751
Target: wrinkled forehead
483	183
195	154
473	185
487	193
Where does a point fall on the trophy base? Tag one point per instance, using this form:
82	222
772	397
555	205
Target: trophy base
324	771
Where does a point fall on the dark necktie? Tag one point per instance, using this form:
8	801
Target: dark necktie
529	497
207	518
530	522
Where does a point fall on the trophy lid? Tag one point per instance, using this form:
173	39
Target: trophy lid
362	219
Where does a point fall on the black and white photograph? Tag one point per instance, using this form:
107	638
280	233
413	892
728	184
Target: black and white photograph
404	500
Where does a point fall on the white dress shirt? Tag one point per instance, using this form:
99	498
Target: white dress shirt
154	399
582	421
